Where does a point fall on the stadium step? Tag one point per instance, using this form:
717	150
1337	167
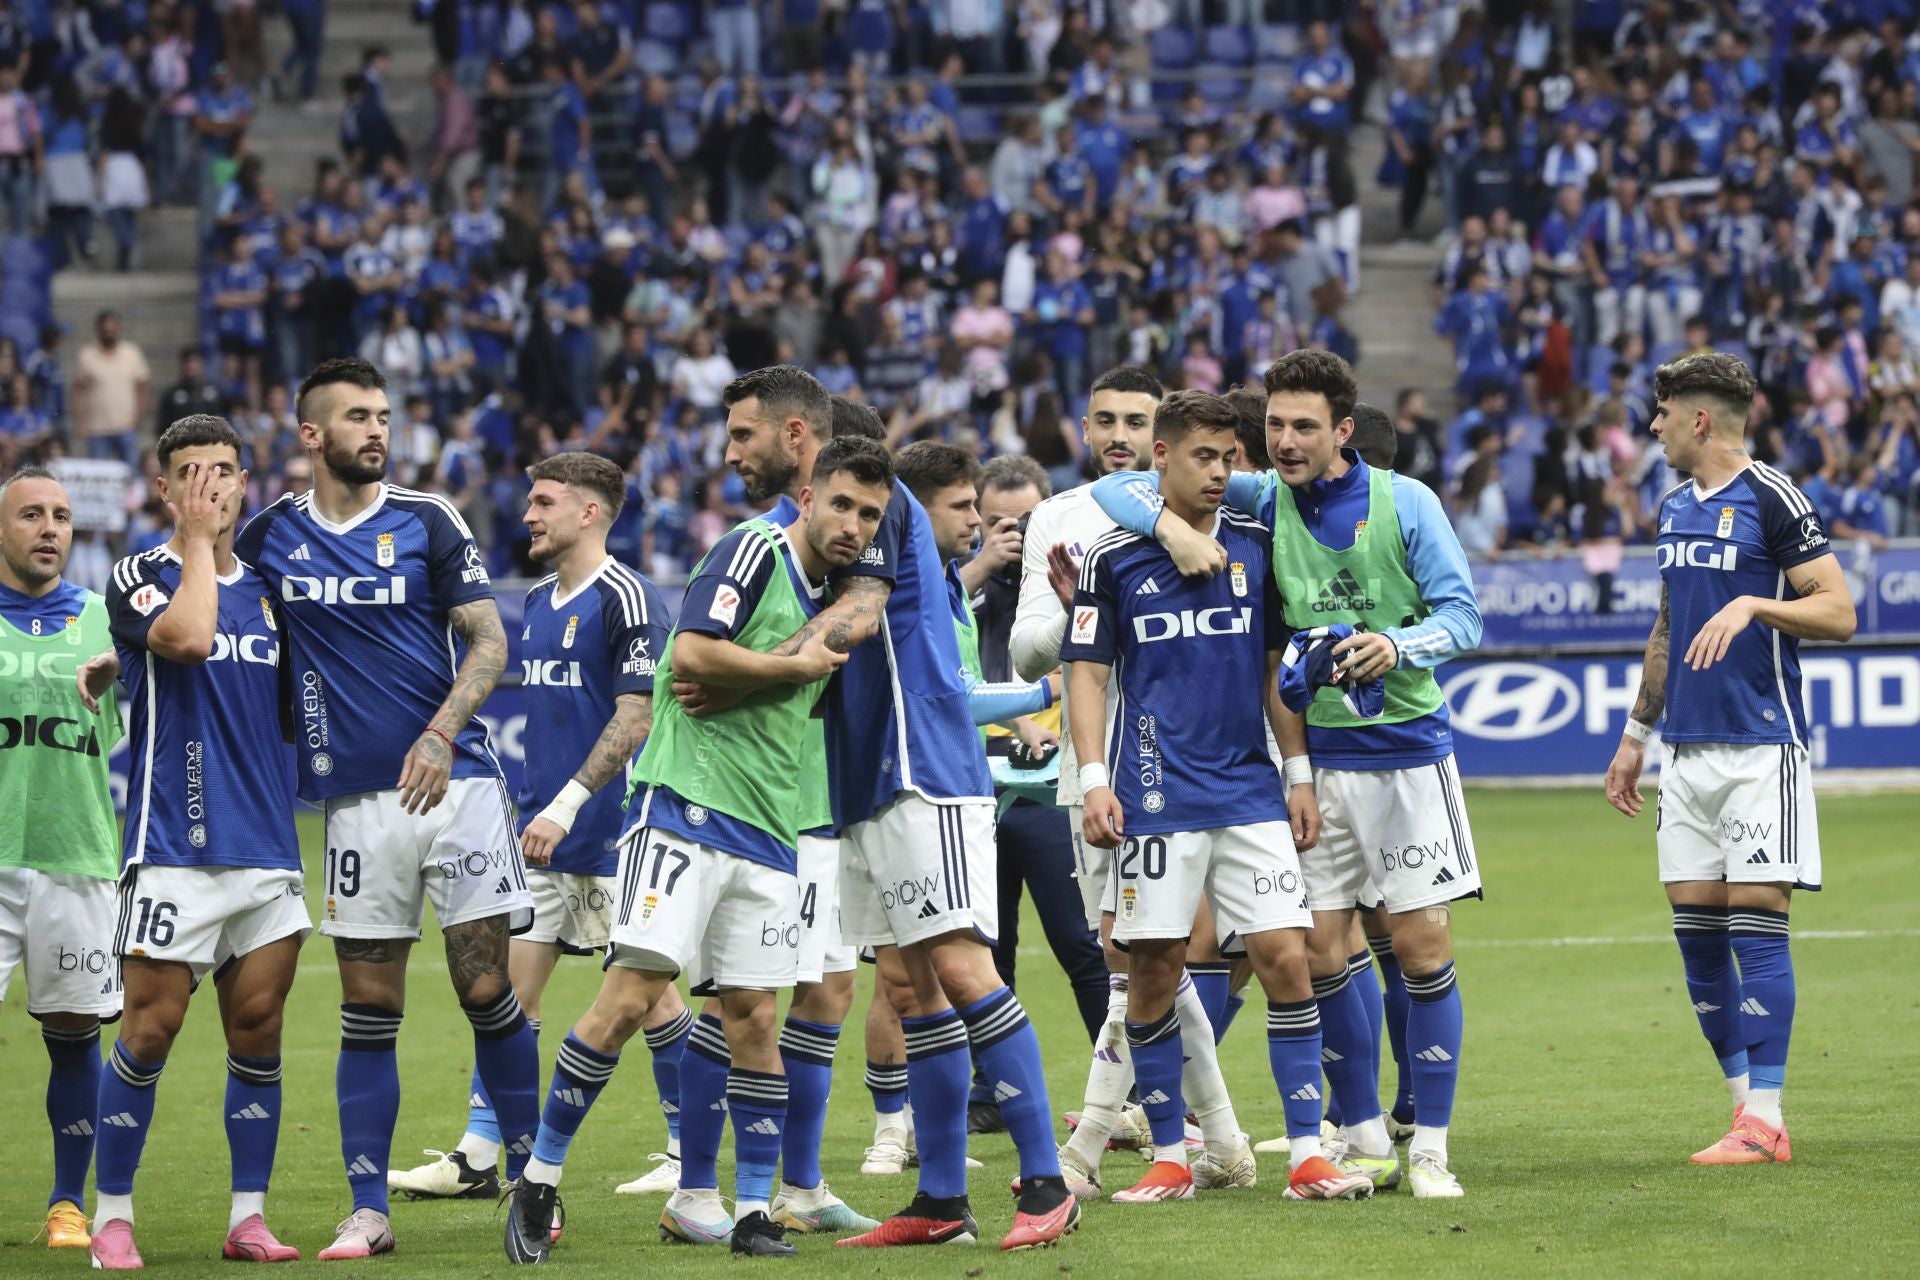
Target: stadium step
158	310
1393	315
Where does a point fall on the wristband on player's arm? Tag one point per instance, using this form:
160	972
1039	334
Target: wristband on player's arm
566	806
1638	732
1093	777
1296	771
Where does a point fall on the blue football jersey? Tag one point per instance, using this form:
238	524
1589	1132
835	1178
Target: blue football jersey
365	605
1186	735
1738	540
578	653
209	782
898	719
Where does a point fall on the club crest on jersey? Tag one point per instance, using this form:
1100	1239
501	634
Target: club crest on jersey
1238	571
1725	529
697	815
573	625
1129	897
1153	802
1359	527
648	906
266	611
383	551
1086	624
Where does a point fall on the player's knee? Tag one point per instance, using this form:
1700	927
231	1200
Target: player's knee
964	968
1324	952
751	1023
149	1035
1423	943
76	1022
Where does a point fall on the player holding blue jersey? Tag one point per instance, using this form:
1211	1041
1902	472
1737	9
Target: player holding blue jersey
593	630
1746	573
211	880
1371	550
1176	775
373	584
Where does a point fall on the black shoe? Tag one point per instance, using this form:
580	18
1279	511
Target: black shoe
530	1210
984	1117
758	1236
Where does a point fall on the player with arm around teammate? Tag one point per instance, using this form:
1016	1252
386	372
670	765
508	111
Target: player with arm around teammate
593	631
58	844
707	862
1178	780
374	583
212	880
1746	573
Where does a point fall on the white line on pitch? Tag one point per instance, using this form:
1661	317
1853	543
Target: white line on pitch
1799	935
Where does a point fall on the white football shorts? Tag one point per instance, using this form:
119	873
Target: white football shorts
1398	835
916	870
61	926
1092	870
725	922
821	951
1739	812
383	863
203	917
572	912
1249	874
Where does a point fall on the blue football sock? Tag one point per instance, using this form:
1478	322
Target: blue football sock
938	1067
666	1043
367	1084
73	1099
1235	1003
887	1082
703	1102
1434	1029
482	1123
1210	978
127	1091
253	1119
580	1072
1395	1003
506	1057
1293	1052
1713	984
1360	966
758	1102
1348	1052
1760	940
1003	1043
806	1052
1157	1061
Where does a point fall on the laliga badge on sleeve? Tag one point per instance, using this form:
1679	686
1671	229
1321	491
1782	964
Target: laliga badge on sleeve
1725	530
1239	571
1086	624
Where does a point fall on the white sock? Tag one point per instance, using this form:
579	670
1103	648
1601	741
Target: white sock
742	1208
1369	1137
245	1205
673	1148
481	1153
107	1208
1429	1140
1200	1079
538	1170
1738	1086
1301	1150
1173	1153
1764	1104
1108	1078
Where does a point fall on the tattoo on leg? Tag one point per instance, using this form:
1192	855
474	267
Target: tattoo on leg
476	950
364	950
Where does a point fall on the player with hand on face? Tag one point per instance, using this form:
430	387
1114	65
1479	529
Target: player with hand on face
1181	784
1746	573
1372	550
593	631
707	863
374	582
212	880
58	839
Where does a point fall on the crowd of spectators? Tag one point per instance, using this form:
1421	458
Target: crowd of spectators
1676	177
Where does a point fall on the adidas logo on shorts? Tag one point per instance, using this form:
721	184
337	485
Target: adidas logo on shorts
252	1111
927	910
765	1127
1306	1093
505	885
1434	1053
1444	877
1759	858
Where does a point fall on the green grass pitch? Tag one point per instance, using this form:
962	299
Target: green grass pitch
1586	1085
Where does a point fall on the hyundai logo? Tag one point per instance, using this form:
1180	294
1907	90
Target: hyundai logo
1510	701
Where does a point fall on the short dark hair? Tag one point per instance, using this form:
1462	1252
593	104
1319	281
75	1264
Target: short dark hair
1012	471
1712	375
1250	407
930	466
1315	373
588	471
1128	378
1374	438
865	460
350	370
785	391
1188	411
27	473
856	421
194	430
